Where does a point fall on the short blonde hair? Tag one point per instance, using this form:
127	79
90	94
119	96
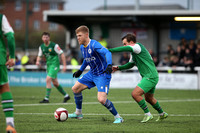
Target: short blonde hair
82	28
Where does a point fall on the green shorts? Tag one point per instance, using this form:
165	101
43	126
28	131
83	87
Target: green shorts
52	71
148	85
3	75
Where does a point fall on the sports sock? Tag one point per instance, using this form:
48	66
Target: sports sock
143	105
61	90
7	104
66	95
48	91
78	111
78	100
158	108
109	105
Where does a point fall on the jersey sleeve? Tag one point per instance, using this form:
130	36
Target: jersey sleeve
126	66
58	49
40	52
102	50
135	48
9	34
6	28
83	66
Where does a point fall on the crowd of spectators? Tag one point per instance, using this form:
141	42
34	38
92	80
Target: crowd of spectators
185	54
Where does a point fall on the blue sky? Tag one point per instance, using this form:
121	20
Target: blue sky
87	5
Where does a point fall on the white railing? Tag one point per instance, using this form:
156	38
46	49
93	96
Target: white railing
70	67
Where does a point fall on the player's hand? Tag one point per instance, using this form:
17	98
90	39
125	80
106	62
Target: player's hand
115	68
10	62
37	63
77	74
108	69
64	69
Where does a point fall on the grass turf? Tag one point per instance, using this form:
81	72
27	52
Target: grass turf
31	117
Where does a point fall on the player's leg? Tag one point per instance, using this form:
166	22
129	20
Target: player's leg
149	97
77	90
83	83
137	96
143	87
61	90
48	90
6	99
102	83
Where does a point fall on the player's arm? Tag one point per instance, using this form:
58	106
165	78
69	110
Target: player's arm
121	49
103	51
82	68
128	65
80	71
9	34
39	56
60	52
63	61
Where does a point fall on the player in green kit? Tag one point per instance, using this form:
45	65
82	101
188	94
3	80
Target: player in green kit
141	58
51	51
6	96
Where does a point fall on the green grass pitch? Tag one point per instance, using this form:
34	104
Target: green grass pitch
183	107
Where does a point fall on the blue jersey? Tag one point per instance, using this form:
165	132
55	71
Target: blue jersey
96	56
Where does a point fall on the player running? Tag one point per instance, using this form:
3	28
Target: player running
100	61
51	51
6	96
141	58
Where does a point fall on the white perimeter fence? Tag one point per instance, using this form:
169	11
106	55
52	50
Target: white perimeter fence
169	78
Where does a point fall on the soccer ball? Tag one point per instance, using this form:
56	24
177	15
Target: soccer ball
61	114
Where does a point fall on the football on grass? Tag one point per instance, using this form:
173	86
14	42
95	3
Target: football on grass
61	114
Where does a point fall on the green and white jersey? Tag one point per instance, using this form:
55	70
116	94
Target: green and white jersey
51	53
6	30
139	57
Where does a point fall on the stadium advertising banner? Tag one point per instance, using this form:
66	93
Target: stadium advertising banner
119	80
38	79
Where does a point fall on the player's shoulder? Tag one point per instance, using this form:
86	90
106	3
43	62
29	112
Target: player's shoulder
95	43
53	43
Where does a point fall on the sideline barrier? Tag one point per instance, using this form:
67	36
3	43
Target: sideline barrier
119	80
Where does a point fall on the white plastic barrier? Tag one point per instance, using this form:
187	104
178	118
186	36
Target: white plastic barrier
166	81
131	79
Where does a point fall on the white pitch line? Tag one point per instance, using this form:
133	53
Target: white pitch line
116	102
186	115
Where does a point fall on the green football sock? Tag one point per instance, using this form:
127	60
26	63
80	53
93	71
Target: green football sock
61	90
158	108
7	104
48	91
143	105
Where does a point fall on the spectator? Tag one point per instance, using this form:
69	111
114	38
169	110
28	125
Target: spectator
174	61
183	42
103	42
197	57
155	60
124	58
192	47
169	48
164	62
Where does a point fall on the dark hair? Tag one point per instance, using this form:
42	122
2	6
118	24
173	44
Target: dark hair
46	34
82	28
130	37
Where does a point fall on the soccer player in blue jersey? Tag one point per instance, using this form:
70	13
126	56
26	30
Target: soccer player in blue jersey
100	61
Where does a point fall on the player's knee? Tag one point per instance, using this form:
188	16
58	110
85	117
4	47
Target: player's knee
102	100
55	84
134	95
148	99
75	89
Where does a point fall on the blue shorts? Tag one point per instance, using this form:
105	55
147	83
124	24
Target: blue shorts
102	82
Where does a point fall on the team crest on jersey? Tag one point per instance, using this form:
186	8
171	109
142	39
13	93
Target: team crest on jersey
50	49
89	51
